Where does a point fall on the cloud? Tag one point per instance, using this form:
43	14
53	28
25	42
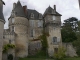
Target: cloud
68	8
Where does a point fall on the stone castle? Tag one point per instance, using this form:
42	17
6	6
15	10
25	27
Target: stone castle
26	25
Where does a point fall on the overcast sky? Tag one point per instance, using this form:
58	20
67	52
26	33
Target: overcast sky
68	8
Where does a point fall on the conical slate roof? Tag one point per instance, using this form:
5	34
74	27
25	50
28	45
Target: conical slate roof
50	10
19	12
1	11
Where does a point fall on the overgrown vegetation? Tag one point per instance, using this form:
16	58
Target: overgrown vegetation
60	54
71	32
43	38
7	47
77	43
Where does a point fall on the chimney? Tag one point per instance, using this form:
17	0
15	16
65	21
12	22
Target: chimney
14	5
25	9
55	8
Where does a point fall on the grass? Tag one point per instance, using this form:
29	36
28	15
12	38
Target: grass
78	58
34	59
74	58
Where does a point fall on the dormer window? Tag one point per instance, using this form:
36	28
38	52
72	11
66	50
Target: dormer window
54	17
32	15
12	20
40	16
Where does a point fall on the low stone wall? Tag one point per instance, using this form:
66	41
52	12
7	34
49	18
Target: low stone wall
70	50
34	47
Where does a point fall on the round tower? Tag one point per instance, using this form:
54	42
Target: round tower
2	21
19	26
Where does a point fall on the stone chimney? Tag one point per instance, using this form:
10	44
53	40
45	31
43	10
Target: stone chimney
14	5
54	8
25	9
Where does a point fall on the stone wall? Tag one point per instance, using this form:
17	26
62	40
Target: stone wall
37	30
34	47
1	38
70	50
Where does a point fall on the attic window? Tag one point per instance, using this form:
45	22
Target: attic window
54	17
40	16
32	15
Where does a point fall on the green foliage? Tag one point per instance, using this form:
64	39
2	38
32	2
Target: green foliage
68	36
44	42
76	43
68	29
60	54
10	57
8	46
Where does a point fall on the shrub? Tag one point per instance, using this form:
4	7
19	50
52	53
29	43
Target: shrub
10	57
60	54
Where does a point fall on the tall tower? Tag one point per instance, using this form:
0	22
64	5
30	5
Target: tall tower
19	24
2	21
53	27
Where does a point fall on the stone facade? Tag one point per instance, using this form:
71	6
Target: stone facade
70	50
26	25
2	21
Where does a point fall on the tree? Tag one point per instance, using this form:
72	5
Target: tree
68	30
77	42
72	22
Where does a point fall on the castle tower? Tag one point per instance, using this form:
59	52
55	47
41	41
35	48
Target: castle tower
2	21
19	24
53	27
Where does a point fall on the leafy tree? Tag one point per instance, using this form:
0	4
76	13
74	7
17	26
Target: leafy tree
72	22
68	30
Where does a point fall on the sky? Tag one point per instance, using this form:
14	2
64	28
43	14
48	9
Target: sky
68	8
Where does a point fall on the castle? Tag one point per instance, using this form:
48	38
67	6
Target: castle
26	25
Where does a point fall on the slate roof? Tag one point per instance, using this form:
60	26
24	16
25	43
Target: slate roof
1	13
36	14
49	10
2	2
18	10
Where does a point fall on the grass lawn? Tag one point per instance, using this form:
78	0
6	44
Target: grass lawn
48	59
72	58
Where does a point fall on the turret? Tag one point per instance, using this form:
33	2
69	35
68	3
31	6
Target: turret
2	21
52	26
18	23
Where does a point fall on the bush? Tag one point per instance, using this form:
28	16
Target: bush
60	54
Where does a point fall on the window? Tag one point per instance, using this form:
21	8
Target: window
55	50
40	23
32	32
54	39
54	18
40	16
9	41
12	20
32	15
